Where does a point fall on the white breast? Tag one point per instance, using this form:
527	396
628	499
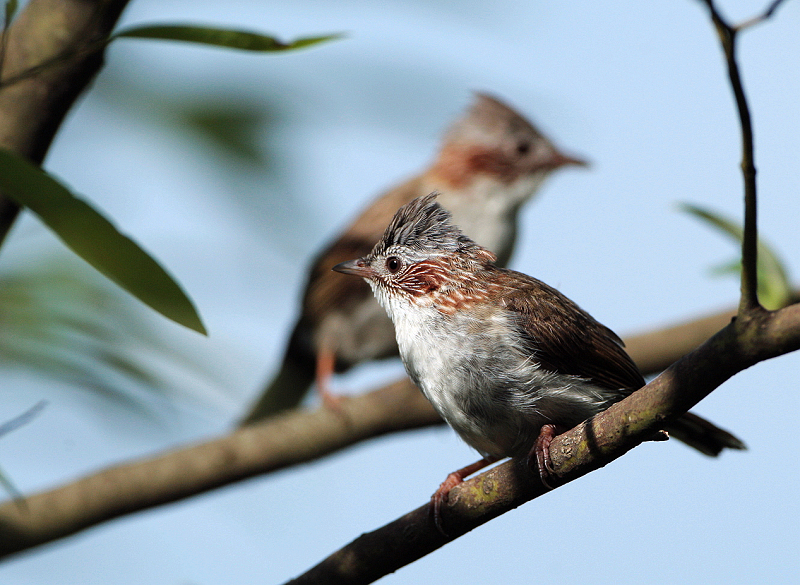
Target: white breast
473	368
454	359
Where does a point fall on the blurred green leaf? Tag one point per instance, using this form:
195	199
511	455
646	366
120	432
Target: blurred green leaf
732	267
10	488
12	425
95	239
233	39
22	419
62	320
11	10
232	128
774	287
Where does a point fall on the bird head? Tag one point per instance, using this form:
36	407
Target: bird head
420	253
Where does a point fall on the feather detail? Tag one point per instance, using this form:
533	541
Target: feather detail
498	353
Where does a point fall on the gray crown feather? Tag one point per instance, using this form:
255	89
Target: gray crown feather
425	226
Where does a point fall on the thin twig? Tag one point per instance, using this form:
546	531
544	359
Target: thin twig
23	418
760	18
727	35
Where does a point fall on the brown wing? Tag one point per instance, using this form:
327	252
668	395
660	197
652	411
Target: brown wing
566	339
328	291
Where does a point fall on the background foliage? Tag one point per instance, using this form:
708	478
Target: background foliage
233	168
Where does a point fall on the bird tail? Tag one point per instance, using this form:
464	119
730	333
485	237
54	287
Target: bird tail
286	390
703	435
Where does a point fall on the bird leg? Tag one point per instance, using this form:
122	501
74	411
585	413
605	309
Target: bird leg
326	362
540	453
455	478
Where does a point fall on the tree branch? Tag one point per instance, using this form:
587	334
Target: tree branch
302	436
727	35
654	351
32	109
292	438
755	335
587	447
770	10
283	441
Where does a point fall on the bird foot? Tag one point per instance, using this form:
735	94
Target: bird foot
331	401
439	497
326	361
540	454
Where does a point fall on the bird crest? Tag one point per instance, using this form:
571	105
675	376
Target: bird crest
424	226
490	122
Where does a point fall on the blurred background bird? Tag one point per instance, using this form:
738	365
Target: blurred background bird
491	161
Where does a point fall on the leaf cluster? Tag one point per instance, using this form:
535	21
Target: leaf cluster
83	228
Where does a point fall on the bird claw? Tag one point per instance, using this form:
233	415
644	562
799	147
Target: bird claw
439	497
540	453
331	401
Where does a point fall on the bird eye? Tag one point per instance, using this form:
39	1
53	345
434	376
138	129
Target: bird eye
393	264
523	148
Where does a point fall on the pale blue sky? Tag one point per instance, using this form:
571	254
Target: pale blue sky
638	88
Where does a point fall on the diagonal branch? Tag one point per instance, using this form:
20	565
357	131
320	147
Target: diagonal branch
754	336
293	438
302	436
587	447
283	441
768	12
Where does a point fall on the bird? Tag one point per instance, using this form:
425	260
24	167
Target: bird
506	360
491	161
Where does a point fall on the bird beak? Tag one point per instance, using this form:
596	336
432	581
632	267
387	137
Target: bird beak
358	267
558	160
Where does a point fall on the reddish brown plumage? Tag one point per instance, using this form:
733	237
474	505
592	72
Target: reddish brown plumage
482	155
505	359
423	278
453	301
446	298
459	164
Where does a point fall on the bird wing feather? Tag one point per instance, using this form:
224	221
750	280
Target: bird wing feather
564	338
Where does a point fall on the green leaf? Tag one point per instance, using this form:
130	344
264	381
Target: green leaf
11	10
10	488
733	267
233	129
63	320
233	39
774	287
95	239
23	418
12	425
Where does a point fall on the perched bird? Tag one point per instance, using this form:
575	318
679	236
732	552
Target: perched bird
491	162
505	359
